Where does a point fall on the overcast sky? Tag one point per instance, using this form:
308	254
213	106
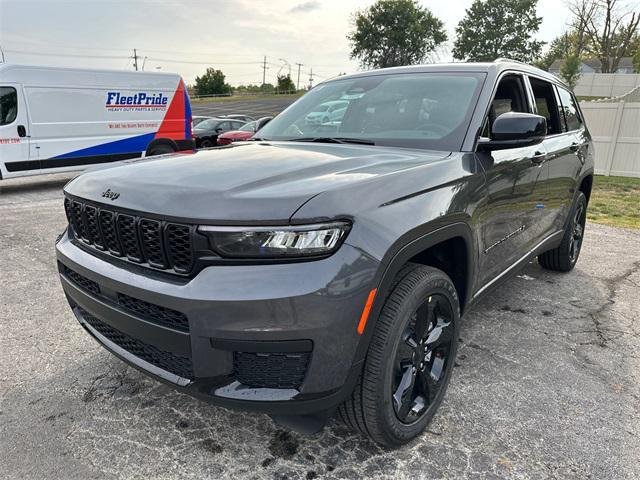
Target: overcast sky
232	35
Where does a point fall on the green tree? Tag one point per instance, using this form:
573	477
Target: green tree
212	83
570	70
498	28
285	84
391	33
560	48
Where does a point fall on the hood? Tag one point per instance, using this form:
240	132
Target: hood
247	183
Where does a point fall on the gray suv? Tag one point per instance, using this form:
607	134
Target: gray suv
324	268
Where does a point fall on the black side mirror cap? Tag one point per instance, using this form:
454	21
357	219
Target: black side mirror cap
515	130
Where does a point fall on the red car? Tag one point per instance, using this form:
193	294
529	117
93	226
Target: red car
246	132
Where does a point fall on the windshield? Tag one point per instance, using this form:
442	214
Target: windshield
419	110
248	127
207	124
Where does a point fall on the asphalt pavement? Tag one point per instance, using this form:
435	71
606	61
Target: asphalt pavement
256	108
546	385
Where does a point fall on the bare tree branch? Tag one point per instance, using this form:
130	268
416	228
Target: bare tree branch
605	29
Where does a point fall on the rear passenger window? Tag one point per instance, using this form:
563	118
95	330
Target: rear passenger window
569	110
546	105
8	105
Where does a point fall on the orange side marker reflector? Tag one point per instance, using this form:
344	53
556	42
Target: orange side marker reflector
365	313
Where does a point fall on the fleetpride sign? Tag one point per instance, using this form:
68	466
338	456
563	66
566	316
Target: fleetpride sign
137	101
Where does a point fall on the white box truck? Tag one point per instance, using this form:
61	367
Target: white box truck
60	119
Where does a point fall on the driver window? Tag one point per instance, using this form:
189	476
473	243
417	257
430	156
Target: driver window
509	97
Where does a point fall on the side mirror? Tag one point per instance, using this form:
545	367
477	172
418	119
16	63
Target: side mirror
219	129
515	130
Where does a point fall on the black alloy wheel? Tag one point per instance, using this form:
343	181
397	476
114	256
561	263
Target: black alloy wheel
422	359
577	232
564	257
410	358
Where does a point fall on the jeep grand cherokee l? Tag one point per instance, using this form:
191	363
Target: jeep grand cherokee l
324	268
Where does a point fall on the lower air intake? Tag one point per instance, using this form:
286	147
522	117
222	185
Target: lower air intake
270	370
167	361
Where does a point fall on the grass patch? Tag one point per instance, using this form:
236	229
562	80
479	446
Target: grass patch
615	201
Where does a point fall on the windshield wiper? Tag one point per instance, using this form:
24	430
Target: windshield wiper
360	141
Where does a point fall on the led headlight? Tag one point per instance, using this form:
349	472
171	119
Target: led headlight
273	242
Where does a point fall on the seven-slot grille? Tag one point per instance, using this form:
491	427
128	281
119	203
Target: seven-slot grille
161	245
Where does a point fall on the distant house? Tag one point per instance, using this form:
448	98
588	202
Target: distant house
593	65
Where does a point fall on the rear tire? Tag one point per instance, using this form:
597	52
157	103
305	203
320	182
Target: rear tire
206	144
410	359
565	256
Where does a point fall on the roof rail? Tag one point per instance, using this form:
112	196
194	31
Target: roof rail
503	59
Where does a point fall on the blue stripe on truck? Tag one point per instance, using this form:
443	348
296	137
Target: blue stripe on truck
126	145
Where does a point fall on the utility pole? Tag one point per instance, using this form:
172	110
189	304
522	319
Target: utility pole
298	82
135	59
264	70
311	79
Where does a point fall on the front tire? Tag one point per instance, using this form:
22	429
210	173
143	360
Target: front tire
409	361
565	256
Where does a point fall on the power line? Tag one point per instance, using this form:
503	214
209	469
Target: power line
180	52
70	55
190	62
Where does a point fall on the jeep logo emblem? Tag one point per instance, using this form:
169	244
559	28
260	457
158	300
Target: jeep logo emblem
109	194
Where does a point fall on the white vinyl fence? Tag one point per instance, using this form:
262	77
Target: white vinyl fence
615	128
606	84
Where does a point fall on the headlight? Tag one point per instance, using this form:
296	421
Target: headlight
275	242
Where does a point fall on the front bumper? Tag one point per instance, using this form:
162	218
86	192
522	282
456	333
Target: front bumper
296	320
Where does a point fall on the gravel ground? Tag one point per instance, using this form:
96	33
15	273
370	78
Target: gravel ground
547	383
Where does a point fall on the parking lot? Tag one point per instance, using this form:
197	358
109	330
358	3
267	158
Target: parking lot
254	107
547	383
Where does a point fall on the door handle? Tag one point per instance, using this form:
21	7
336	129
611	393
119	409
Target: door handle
539	157
22	131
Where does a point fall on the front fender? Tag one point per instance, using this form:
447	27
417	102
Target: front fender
398	255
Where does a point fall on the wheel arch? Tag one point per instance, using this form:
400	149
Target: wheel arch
449	248
586	185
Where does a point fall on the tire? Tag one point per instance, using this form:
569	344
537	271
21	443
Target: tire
376	408
160	149
565	256
206	144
